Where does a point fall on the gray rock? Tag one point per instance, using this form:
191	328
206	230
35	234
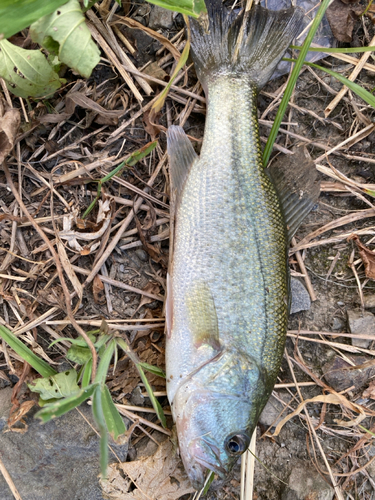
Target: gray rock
337	324
141	254
300	297
305	483
54	461
369	301
160	18
340	375
271	412
361	323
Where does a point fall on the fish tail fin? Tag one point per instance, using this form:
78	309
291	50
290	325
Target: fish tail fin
251	42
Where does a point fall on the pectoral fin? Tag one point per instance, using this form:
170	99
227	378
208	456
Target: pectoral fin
295	180
202	317
181	156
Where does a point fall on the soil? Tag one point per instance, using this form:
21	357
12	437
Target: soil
346	448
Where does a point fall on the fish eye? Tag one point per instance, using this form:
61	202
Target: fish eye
237	443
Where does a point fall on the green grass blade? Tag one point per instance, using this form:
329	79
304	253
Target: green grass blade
113	419
97	411
292	81
64	405
151	395
152	369
354	87
141	153
159	103
131	161
86	377
27	354
194	8
138	364
347	50
105	360
208	482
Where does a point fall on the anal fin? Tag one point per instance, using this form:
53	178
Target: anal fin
296	183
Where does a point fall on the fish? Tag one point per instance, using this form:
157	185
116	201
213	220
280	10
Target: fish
228	295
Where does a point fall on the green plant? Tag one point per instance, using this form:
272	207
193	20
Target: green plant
58	26
62	392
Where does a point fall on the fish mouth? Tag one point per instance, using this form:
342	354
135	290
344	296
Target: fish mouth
202	460
197	475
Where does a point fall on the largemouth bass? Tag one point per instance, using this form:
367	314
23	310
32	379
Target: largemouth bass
228	300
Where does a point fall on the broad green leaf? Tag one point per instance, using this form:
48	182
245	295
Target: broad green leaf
27	354
64	405
61	385
78	354
97	411
65	34
27	72
152	369
292	81
194	8
113	419
15	15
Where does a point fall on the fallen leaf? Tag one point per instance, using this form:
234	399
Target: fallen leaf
152	250
341	15
370	391
367	256
151	125
334	398
17	416
158	477
9	124
156	71
98	290
150	288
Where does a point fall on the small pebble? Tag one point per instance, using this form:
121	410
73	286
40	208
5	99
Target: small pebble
361	322
305	483
300	297
160	18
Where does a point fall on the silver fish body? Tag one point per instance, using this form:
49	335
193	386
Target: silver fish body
227	305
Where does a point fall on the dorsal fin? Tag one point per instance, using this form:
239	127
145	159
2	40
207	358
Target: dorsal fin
181	156
296	183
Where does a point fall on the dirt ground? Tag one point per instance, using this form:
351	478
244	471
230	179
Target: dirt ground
48	155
